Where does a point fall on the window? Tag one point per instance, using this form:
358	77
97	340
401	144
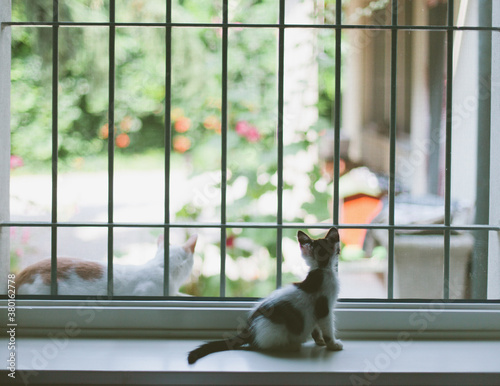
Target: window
244	121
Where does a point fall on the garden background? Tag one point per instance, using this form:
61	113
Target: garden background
195	114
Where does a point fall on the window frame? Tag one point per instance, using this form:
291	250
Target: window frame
212	319
207	317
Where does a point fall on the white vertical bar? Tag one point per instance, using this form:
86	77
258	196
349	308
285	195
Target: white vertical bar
416	177
5	37
493	291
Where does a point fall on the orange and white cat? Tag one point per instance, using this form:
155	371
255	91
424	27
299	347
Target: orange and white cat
82	277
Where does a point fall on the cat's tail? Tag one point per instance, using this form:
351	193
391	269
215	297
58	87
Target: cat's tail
233	343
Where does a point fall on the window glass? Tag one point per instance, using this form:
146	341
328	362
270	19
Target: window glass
234	140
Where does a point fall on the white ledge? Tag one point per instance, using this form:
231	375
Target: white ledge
60	360
201	319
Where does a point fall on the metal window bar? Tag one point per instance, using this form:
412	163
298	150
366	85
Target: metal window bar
280	128
449	112
257	225
55	145
111	143
392	156
336	151
447	228
223	197
479	269
399	27
168	138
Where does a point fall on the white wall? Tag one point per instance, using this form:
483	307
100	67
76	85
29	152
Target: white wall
300	71
465	104
494	241
414	168
353	106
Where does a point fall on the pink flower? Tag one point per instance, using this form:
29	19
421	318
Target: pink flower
16	162
253	135
230	241
25	236
248	131
242	128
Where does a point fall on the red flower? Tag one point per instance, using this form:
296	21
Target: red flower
242	128
253	135
248	131
104	131
182	124
181	143
122	140
16	162
230	241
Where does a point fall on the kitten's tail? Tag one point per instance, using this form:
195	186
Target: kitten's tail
219	345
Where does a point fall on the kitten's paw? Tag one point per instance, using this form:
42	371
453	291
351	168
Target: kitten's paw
335	345
318	337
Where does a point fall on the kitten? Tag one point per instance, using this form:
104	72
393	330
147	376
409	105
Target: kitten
290	315
81	277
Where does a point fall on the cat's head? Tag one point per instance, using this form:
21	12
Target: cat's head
320	253
178	252
180	261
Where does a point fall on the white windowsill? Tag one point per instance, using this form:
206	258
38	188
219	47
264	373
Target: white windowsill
163	361
210	319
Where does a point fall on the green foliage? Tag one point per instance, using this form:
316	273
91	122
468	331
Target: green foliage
203	286
253	289
195	103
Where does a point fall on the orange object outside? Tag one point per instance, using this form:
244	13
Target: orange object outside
358	209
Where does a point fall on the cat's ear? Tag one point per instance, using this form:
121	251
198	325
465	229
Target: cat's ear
190	244
333	235
160	240
303	238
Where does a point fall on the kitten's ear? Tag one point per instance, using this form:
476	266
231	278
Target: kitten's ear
333	235
303	238
191	243
159	242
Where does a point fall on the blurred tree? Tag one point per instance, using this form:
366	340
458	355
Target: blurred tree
83	129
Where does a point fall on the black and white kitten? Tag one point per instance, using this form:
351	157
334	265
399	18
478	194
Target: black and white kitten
290	315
